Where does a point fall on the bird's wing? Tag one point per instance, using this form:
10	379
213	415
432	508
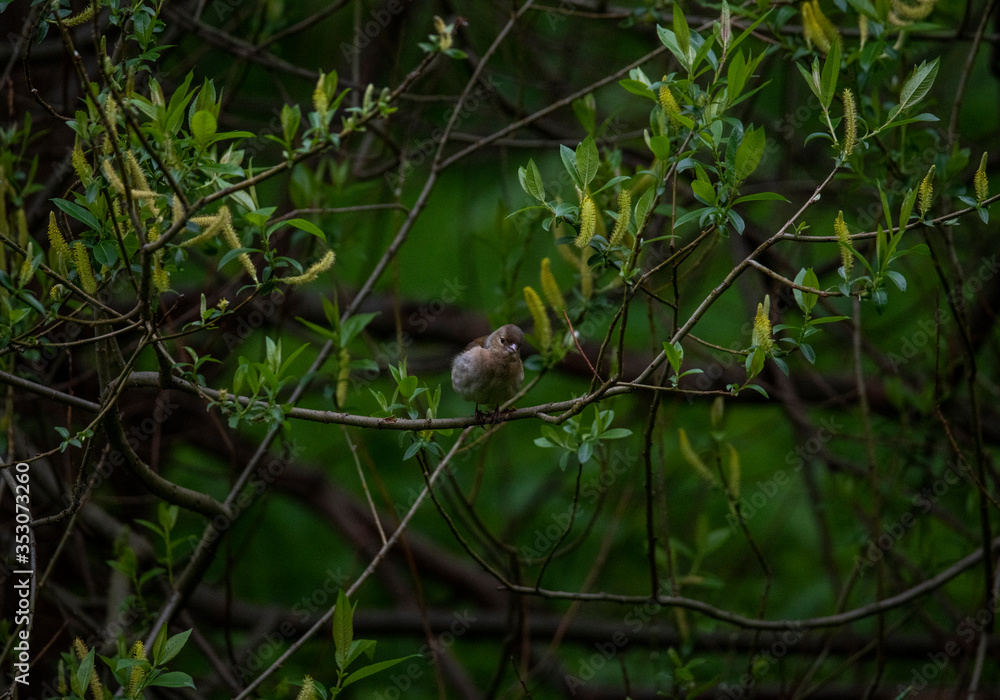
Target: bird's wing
477	343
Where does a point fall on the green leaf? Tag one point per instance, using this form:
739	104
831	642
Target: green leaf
307	226
172	679
736	76
808	353
881	298
106	253
233	254
290	118
79	213
615	434
831	70
86	669
749	153
810	80
374	668
343	628
568	157
643	206
669	39
203	127
351	327
410	451
755	362
806	300
681	31
660	146
172	647
675	355
917	85
898	279
587	161
160	643
907	208
323	332
760	197
637	87
531	181
705	192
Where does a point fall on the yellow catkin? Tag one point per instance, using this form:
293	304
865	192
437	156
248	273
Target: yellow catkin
212	226
80	165
692	458
550	288
109	172
906	12
308	691
762	330
138	177
321	103
57	243
850	122
176	209
543	327
443	33
588	222
160	277
818	30
925	193
843	240
79	18
229	234
137	674
624	216
668	103
322	265
27	270
980	184
828	28
84	271
811	30
111	111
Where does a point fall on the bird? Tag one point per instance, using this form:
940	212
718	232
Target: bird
489	370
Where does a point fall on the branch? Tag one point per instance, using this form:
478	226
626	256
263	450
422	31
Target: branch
865	611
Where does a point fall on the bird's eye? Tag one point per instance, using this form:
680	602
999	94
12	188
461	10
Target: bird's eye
503	340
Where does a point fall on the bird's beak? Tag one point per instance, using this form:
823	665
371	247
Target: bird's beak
512	347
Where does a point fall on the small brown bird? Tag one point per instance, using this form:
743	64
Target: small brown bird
489	370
